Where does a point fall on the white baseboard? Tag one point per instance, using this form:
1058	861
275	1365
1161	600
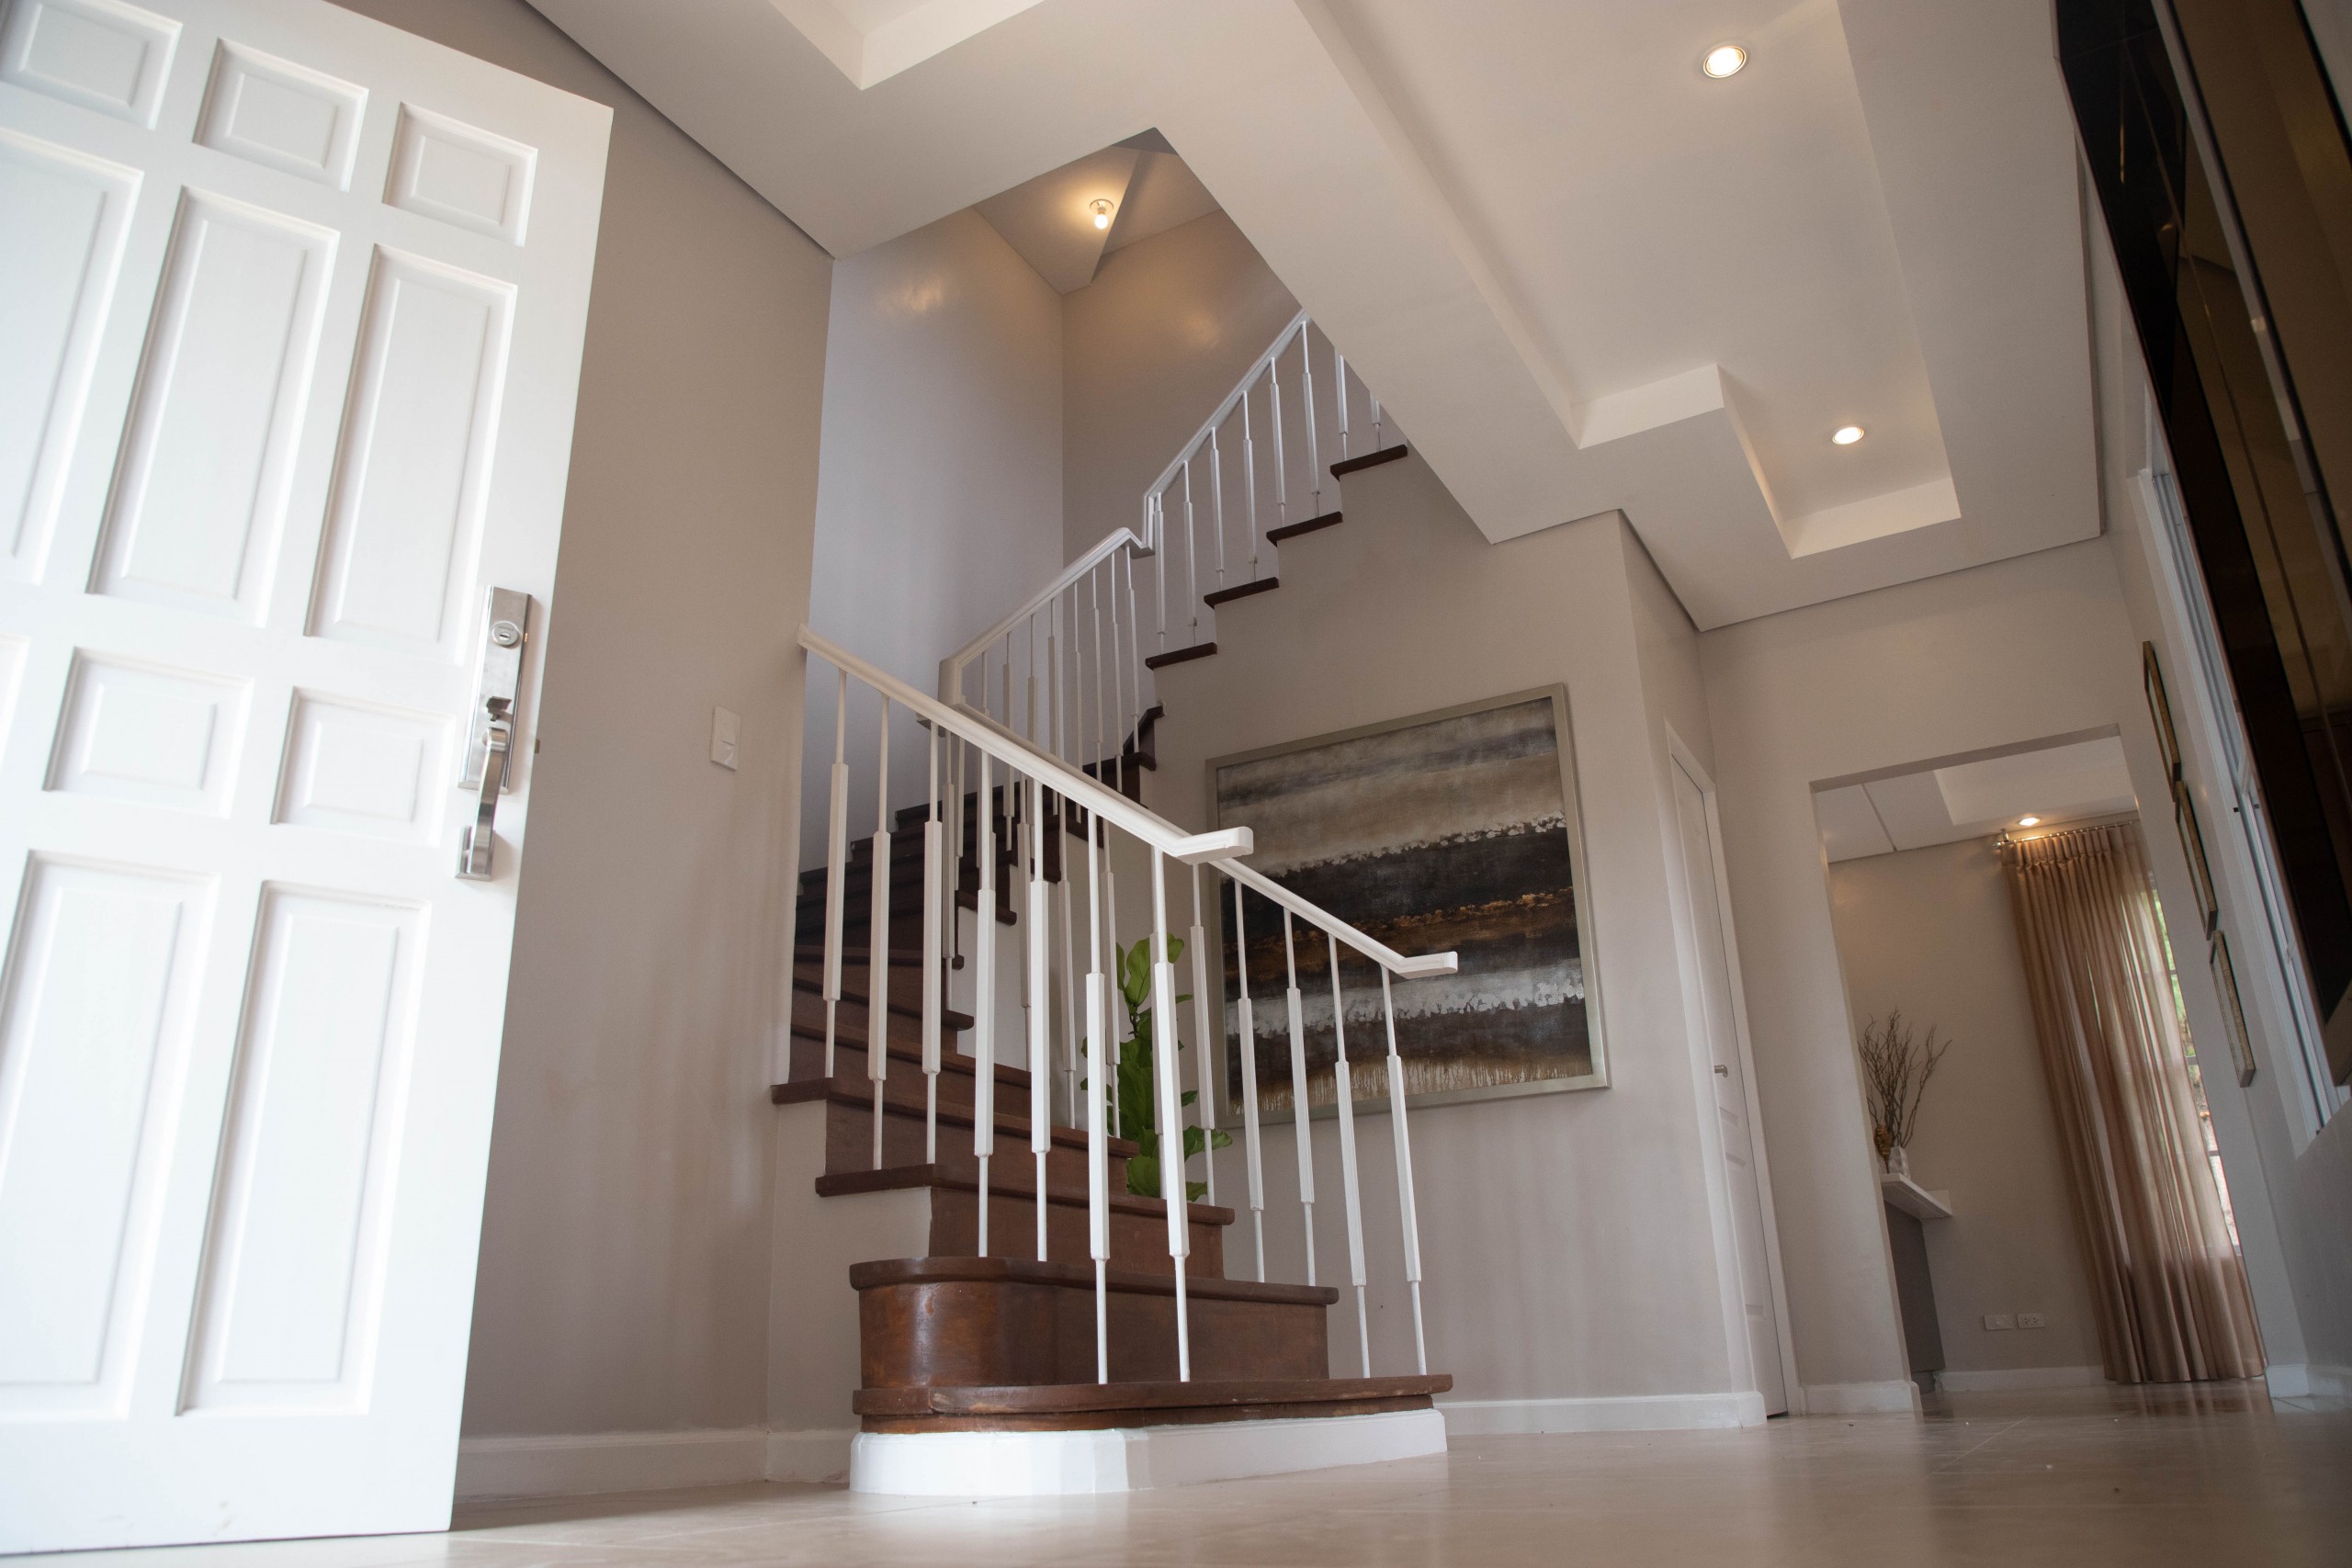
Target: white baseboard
1049	1464
821	1454
1628	1412
2002	1379
2315	1381
609	1461
1897	1396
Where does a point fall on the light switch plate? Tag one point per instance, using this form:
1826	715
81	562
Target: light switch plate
1998	1320
724	725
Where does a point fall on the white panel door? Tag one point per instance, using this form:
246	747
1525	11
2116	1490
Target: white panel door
290	316
1742	1176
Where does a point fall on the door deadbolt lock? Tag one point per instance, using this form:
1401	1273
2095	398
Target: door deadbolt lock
506	620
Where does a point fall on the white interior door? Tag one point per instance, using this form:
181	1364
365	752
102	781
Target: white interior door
1742	1176
290	315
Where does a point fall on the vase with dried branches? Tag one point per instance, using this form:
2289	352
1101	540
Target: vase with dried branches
1896	1065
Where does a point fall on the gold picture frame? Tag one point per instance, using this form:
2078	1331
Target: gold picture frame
2152	682
2226	988
2192	847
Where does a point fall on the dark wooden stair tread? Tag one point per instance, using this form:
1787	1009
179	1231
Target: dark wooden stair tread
1210	1400
955	1022
951	1062
1308	525
1347	465
1178	655
1242	591
1010	1175
1080	1276
902	1097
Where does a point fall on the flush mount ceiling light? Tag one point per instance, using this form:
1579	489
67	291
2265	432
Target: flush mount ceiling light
1847	434
1101	210
1724	60
2029	821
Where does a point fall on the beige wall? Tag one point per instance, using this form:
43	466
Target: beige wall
1568	1241
1928	933
939	490
624	1257
1149	348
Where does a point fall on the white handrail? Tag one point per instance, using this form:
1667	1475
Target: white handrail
1006	746
952	667
1387	957
1224	410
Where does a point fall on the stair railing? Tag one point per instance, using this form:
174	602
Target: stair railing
1071	668
1043	796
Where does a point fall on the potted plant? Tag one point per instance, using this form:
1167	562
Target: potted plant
1138	1105
1896	1065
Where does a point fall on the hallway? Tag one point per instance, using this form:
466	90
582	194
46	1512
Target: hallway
2211	1475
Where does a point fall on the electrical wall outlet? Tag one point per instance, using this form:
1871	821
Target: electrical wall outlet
2033	1320
1995	1321
723	727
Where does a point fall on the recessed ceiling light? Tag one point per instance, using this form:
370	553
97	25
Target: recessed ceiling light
2029	821
1724	60
1102	212
1847	434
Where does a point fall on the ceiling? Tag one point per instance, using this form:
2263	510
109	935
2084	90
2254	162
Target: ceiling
1050	219
1584	276
2056	782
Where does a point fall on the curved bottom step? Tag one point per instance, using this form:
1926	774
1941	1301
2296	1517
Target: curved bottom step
1135	1458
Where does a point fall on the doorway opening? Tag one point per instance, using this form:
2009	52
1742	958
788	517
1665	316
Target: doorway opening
2056	1211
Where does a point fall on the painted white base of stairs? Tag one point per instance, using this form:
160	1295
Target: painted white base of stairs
1130	1459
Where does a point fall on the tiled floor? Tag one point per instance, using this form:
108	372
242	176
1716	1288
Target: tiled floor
2216	1476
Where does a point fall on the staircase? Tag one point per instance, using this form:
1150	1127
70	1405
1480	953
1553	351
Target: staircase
956	1341
936	1045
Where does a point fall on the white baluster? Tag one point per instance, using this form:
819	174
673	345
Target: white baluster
934	960
1204	1069
1066	741
1191	559
1098	1157
1041	1062
1159	567
1168	1110
1250	1084
1408	1213
1217	494
984	994
878	927
1135	654
1376	420
836	862
1249	478
1274	404
1340	390
1306	405
1298	1095
1344	1092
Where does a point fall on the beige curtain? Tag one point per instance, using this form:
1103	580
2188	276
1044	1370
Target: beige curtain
2171	1293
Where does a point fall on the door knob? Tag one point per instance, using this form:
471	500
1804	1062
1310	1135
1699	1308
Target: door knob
473	850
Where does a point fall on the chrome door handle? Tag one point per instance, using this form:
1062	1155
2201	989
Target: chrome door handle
1722	1071
473	848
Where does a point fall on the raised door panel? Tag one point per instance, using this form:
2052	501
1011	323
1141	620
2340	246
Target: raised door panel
100	983
200	492
413	474
149	733
282	115
294	1259
359	768
64	214
461	175
101	54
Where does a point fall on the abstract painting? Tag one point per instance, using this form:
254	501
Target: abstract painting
1455	829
